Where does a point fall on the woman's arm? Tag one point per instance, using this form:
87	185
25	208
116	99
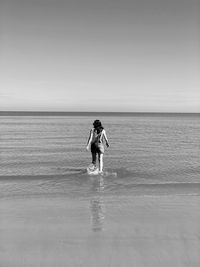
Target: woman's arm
105	137
89	140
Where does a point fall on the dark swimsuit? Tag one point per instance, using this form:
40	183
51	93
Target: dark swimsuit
96	146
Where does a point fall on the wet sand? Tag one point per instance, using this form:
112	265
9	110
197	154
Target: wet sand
99	231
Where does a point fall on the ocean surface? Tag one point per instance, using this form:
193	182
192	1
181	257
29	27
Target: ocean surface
148	154
142	212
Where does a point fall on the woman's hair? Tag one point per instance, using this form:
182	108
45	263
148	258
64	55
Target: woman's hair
98	126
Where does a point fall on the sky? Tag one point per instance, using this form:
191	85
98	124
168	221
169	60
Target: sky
100	55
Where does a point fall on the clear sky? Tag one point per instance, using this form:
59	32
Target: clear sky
100	55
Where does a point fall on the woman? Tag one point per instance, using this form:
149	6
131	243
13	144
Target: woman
95	143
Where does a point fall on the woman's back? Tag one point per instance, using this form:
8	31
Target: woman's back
97	135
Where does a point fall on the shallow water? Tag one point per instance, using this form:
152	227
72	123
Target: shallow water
147	154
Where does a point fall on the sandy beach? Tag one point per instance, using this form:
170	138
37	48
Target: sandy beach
100	231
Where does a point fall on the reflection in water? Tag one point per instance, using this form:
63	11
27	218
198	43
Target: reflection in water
97	206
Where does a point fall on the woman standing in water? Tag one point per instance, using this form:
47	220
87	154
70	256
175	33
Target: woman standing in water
95	143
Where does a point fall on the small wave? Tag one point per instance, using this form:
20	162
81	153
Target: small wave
71	170
114	177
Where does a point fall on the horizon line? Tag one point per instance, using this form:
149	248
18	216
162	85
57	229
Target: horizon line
90	113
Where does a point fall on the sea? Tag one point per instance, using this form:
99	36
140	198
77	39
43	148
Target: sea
148	153
143	211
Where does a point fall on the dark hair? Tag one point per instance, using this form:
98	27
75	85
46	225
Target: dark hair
98	126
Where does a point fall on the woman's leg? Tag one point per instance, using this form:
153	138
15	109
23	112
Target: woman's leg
94	154
100	162
94	157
